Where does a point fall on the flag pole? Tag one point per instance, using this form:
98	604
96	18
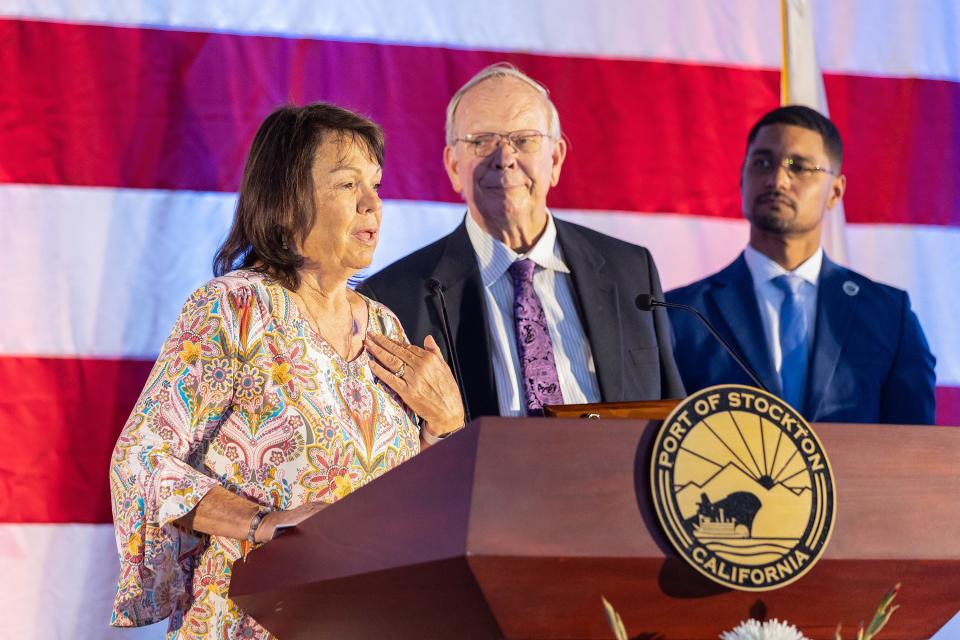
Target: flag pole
801	82
785	52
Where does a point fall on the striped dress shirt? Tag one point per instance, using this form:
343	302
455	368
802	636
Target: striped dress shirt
551	280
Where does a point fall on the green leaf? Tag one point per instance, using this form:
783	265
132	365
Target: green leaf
883	613
613	619
880	618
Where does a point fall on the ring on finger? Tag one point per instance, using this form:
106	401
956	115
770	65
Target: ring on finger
399	372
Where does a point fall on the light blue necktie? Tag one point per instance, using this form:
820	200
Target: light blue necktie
794	340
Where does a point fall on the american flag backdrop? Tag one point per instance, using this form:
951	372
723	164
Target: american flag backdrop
124	126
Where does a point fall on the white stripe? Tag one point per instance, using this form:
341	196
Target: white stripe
924	261
58	581
116	264
871	37
103	272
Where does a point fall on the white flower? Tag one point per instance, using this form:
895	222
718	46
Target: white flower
769	630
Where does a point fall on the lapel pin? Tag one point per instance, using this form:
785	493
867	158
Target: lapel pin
851	288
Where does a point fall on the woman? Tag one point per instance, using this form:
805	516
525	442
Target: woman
279	391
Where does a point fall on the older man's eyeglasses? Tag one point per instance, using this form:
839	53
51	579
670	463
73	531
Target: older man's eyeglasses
523	141
796	168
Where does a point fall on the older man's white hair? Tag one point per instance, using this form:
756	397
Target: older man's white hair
502	70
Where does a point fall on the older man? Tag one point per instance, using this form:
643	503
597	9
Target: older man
836	345
541	311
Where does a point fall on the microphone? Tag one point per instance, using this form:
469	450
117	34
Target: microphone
436	287
646	302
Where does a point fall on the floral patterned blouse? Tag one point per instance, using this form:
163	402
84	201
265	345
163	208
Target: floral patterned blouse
247	396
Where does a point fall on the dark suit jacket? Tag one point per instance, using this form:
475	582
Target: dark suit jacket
870	361
631	348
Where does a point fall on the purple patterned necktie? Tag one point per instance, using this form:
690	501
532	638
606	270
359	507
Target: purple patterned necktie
539	370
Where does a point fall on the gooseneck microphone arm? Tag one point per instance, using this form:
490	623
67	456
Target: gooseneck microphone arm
436	287
646	302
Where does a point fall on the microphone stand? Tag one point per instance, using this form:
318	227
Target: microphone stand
436	287
646	302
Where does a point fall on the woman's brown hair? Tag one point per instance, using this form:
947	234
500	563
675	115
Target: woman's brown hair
276	211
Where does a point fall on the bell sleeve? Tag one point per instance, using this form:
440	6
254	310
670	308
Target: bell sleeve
156	472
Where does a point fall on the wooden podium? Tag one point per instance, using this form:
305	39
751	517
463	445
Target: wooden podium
514	528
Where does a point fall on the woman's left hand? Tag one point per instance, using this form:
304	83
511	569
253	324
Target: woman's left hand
421	378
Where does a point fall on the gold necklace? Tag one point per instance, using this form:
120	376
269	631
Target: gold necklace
354	325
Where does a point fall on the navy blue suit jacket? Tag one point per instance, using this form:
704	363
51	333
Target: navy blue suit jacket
870	361
631	348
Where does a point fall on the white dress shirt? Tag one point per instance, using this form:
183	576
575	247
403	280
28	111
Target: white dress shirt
763	270
551	281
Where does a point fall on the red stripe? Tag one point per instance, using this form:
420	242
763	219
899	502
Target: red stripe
948	406
164	109
61	418
901	147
